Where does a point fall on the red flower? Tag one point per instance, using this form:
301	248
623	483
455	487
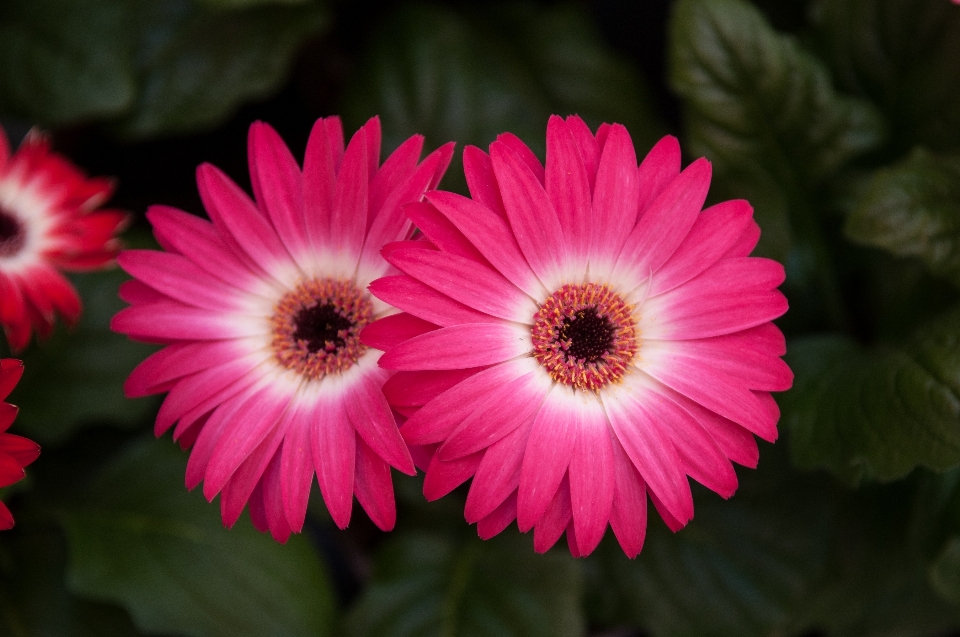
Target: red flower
48	223
16	452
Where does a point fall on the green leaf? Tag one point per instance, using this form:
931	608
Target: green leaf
470	76
76	377
33	598
912	209
764	111
431	584
876	413
945	572
741	568
137	538
195	66
62	61
150	67
905	56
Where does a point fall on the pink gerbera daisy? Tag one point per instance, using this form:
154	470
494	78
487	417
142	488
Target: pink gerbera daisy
15	452
261	311
48	223
578	336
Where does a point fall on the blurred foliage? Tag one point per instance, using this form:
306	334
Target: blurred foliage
138	538
838	119
152	67
442	584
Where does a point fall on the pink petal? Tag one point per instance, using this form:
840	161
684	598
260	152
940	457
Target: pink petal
348	223
459	347
592	481
168	321
240	224
278	186
615	195
666	222
419	388
588	147
672	523
532	218
205	390
498	475
371	417
735	355
296	467
445	476
746	242
568	185
273	502
442	232
213	430
372	129
737	443
628	515
319	184
466	281
651	449
438	418
409	295
334	442
374	487
554	520
491	236
199	241
174	362
523	151
388	332
500	519
260	416
553	437
505	408
238	489
658	168
178	278
390	223
394	173
713	234
716	391
482	181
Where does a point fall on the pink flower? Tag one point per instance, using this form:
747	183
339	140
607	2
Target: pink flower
580	336
48	223
15	452
260	311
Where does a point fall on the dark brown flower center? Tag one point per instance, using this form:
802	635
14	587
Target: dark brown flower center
12	234
585	336
316	327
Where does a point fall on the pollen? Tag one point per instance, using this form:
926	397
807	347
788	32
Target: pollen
585	336
316	327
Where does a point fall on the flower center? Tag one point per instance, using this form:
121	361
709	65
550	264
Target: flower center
316	327
12	235
585	336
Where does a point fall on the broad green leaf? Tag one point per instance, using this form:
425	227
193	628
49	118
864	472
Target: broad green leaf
62	61
741	568
904	55
34	601
194	66
764	111
470	76
433	584
76	377
789	554
150	67
912	209
139	539
876	413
